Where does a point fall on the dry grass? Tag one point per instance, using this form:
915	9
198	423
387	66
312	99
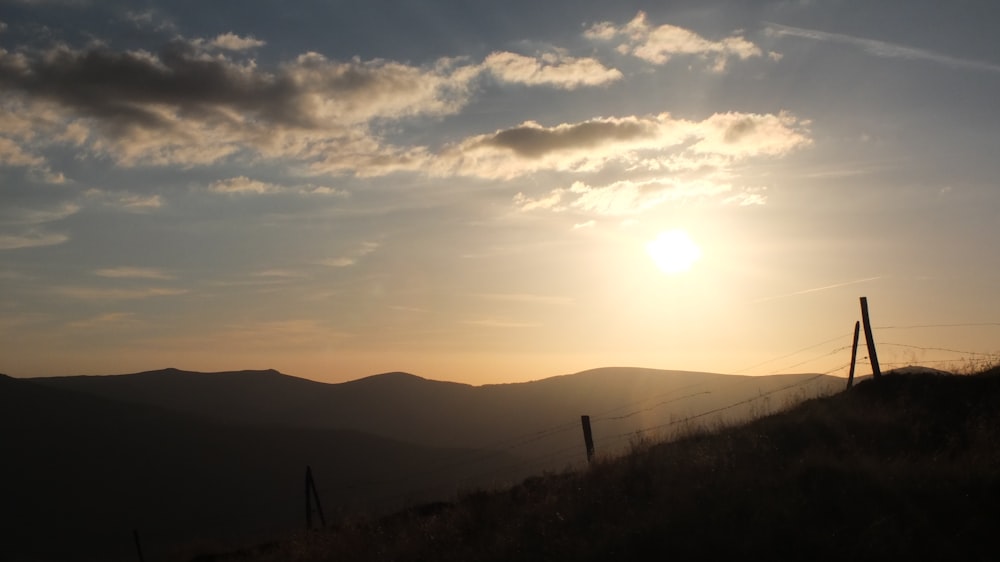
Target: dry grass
901	467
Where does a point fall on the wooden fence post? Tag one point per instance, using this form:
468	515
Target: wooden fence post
854	354
588	437
870	338
138	545
312	495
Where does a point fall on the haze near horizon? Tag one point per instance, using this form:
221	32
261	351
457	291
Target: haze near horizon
495	192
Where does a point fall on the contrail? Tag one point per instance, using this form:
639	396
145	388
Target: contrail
881	48
816	289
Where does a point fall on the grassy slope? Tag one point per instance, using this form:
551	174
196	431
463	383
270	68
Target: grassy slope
906	466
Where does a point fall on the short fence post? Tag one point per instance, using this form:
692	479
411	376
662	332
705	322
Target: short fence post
312	495
138	545
870	338
854	354
588	437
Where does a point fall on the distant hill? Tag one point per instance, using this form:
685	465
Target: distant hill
79	472
899	468
531	419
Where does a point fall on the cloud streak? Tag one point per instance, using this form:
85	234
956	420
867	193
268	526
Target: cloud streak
882	48
817	289
127	272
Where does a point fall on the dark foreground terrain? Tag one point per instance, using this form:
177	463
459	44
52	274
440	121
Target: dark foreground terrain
197	462
903	467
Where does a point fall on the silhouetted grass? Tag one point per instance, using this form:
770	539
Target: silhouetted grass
902	467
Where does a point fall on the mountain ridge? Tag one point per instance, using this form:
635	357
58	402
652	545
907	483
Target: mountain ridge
88	469
414	409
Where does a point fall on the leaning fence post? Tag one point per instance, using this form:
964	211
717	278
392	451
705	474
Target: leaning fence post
854	354
138	545
870	338
588	437
312	495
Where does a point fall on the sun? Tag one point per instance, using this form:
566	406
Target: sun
673	251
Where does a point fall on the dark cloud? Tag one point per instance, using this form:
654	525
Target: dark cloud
533	141
99	82
192	104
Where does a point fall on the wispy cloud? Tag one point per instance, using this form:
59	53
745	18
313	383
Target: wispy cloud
26	226
242	185
352	257
621	198
126	272
32	216
817	289
108	320
31	239
493	323
130	202
882	48
98	294
527	298
279	274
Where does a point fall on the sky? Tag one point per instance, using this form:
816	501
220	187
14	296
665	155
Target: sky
490	192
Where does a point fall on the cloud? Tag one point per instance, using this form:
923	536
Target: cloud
660	44
99	294
352	257
30	239
25	216
242	185
653	142
881	48
817	289
127	272
232	42
527	298
550	69
131	202
620	198
136	202
747	198
190	107
149	19
12	154
531	140
279	274
107	320
493	323
25	229
748	134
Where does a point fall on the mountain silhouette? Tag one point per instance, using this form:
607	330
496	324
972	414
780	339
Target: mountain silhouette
446	414
186	457
80	472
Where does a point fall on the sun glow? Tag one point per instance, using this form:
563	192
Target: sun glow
673	251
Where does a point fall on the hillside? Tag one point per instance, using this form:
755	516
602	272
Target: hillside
80	472
904	467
